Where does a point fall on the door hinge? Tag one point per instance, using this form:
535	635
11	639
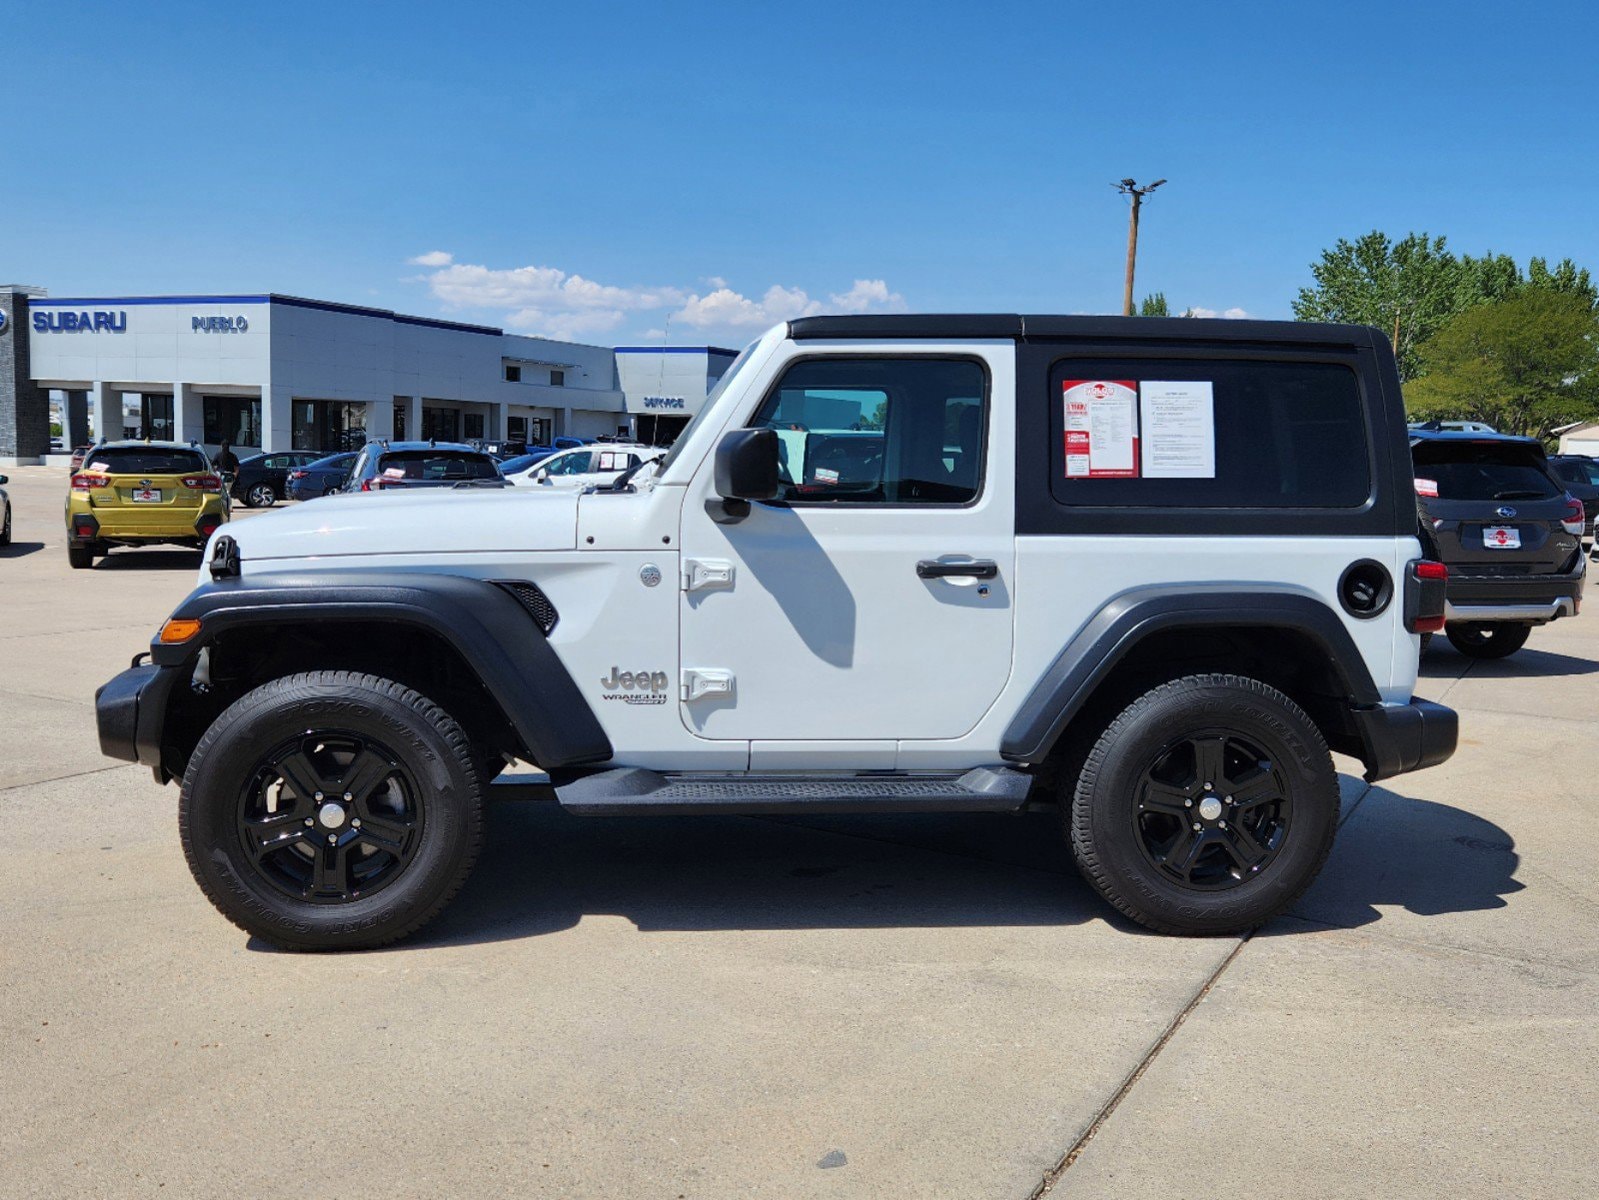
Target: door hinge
701	573
700	682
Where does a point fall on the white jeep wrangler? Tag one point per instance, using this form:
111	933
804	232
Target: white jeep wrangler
1148	571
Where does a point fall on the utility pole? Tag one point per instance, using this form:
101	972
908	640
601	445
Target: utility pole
1128	187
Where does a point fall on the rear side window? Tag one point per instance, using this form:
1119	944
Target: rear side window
434	465
1482	471
1207	433
887	431
1574	471
145	460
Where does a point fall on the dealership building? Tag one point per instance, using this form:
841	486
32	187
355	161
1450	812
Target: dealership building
272	372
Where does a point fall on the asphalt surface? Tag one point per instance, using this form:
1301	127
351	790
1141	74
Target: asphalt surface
707	1007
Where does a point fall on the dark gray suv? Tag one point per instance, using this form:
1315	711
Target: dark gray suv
1495	514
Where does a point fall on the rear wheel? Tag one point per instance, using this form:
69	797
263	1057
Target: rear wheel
80	558
5	530
1207	807
260	495
331	811
1489	639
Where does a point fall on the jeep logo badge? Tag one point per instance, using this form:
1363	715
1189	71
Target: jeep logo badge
635	687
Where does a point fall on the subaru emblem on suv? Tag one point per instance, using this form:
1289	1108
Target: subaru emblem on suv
1506	511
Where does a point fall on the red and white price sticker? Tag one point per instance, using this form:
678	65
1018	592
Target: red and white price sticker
1101	428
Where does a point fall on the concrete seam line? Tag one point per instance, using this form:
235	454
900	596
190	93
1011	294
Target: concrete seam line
1052	1177
11	787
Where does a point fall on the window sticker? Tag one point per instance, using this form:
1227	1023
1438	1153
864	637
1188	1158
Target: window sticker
1178	421
826	475
1426	487
1101	428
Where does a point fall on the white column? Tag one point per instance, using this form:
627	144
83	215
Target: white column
107	402
188	417
380	418
502	413
277	418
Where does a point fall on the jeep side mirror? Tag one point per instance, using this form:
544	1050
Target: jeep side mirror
4	479
746	465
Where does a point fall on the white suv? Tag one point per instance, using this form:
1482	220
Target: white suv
585	466
1148	572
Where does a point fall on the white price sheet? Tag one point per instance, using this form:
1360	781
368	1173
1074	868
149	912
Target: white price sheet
1178	427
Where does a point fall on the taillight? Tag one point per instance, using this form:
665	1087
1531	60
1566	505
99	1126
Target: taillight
296	474
1573	521
371	485
83	483
1424	596
203	483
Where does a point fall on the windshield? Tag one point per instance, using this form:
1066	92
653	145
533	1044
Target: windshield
710	403
144	460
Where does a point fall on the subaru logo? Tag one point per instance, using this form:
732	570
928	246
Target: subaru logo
1506	511
144	483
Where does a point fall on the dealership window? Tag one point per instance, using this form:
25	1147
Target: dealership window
879	430
328	425
155	417
233	419
1208	433
557	378
472	425
516	429
399	420
440	425
513	373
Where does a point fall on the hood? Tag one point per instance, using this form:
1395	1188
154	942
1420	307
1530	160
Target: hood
420	522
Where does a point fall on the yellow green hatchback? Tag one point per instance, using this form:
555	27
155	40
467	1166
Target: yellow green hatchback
141	494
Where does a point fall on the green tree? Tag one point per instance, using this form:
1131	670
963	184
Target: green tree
1408	289
1525	364
1154	305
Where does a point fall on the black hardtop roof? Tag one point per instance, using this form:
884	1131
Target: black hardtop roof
1020	326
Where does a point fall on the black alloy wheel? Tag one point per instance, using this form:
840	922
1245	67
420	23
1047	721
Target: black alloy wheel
330	818
1213	809
332	810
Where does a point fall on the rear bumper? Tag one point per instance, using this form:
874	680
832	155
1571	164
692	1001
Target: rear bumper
1405	737
1531	598
130	710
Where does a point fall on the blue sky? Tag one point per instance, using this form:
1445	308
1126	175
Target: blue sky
604	171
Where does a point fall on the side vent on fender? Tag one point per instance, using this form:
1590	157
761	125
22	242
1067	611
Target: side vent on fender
536	602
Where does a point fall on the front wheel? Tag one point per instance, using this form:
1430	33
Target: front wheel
1207	806
1488	639
331	811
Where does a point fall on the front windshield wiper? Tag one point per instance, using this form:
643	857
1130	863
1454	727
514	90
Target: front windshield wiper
624	481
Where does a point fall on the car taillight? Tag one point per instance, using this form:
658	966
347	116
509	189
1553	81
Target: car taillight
203	483
83	483
371	485
296	474
1424	596
1573	521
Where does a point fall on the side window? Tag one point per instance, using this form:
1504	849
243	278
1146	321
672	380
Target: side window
1187	434
879	430
575	463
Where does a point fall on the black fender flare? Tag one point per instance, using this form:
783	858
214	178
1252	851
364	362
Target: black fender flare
496	637
1107	637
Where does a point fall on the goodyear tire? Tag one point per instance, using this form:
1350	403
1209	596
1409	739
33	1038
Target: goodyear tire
1206	807
331	811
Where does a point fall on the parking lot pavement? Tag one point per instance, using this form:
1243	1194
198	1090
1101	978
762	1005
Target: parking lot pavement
718	1006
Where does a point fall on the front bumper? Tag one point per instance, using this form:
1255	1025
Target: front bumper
1405	737
130	711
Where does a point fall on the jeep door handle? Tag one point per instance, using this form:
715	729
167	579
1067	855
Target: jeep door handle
983	568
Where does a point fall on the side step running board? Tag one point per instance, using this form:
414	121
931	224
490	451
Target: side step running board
633	790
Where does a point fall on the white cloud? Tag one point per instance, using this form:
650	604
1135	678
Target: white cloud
1231	314
549	301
